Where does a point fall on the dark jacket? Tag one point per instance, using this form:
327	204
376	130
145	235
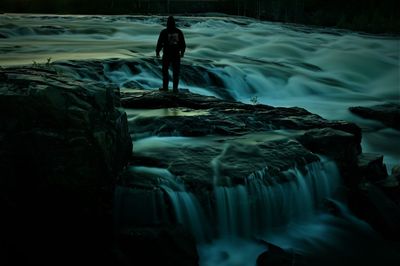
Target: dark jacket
171	40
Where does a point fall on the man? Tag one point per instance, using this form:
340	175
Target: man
172	42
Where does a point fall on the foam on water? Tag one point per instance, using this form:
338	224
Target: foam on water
323	70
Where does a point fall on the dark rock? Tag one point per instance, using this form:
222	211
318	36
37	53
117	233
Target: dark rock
396	172
342	146
391	185
388	114
218	117
231	160
370	203
155	211
170	246
371	167
333	208
62	143
276	256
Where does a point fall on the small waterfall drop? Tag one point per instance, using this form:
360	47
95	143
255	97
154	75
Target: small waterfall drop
188	213
256	208
233	212
263	203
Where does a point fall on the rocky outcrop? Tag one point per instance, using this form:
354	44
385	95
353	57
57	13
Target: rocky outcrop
223	117
342	146
371	167
62	144
388	114
233	140
276	256
166	245
257	126
374	196
204	141
230	161
370	203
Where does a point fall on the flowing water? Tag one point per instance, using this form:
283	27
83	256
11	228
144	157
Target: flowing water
289	214
323	70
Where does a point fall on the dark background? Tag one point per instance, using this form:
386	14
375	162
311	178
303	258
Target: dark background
377	16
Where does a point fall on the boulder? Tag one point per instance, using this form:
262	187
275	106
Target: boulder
218	117
388	114
219	161
391	185
62	144
396	172
371	167
277	256
238	138
339	145
166	245
370	203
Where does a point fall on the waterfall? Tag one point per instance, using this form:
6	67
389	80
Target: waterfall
233	213
257	207
188	213
263	203
129	210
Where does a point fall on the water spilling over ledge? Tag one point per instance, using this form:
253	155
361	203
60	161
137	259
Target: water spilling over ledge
253	209
232	174
207	173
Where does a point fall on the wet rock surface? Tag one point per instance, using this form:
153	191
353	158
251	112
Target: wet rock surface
166	245
388	114
371	203
204	141
228	139
276	256
227	117
62	144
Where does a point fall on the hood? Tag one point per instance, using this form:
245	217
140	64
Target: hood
171	22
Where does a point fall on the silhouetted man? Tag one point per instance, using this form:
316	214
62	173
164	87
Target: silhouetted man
172	42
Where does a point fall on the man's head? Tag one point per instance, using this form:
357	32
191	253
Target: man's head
171	22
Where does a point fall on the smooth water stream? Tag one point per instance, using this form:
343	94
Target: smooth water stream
323	70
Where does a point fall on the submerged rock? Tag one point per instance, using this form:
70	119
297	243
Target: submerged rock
225	161
371	204
222	117
371	167
166	245
232	139
277	256
62	144
342	146
388	114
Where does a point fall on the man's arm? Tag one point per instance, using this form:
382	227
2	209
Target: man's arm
182	43
160	43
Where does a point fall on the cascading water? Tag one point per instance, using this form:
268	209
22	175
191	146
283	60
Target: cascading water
228	221
233	213
251	209
264	203
322	70
188	213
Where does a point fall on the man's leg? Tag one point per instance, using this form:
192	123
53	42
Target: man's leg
176	66
165	66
